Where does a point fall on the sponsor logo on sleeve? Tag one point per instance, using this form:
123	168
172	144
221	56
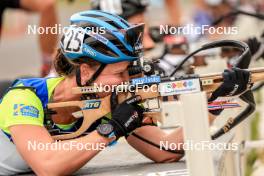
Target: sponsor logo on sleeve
25	110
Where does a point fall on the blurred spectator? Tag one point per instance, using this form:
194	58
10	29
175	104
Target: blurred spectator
174	12
48	18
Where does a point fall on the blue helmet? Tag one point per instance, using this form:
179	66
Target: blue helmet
103	37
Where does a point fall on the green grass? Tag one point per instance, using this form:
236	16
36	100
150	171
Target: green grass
251	158
254	134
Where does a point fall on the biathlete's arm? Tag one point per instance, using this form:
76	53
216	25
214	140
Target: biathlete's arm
157	135
62	161
36	5
23	117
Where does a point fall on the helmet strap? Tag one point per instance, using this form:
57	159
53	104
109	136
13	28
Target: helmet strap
78	77
95	75
90	81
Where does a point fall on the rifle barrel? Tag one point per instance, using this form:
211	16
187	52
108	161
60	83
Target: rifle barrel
209	81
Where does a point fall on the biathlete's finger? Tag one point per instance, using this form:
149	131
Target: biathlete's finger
134	100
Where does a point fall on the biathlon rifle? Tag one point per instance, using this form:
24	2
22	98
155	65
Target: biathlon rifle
151	88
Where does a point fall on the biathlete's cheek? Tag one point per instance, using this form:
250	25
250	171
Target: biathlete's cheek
110	80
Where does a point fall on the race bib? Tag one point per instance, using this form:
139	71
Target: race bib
73	40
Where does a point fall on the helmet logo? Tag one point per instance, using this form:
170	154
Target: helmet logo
72	40
98	37
88	51
138	44
134	37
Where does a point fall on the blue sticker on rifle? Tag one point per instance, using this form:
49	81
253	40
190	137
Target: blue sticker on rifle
146	80
92	104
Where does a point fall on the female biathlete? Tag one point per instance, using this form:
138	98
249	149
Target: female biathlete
84	57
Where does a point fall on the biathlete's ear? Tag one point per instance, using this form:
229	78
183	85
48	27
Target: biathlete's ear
134	100
86	73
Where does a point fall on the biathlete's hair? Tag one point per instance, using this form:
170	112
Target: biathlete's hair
64	67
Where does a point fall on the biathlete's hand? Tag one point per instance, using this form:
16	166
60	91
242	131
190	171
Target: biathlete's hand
127	117
254	45
235	82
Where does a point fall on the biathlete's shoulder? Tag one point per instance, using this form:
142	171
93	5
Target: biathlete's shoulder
21	96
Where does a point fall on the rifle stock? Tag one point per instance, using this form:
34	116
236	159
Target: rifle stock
90	115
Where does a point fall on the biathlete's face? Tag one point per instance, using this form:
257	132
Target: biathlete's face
113	74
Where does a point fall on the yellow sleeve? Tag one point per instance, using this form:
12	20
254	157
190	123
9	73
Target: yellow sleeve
21	106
